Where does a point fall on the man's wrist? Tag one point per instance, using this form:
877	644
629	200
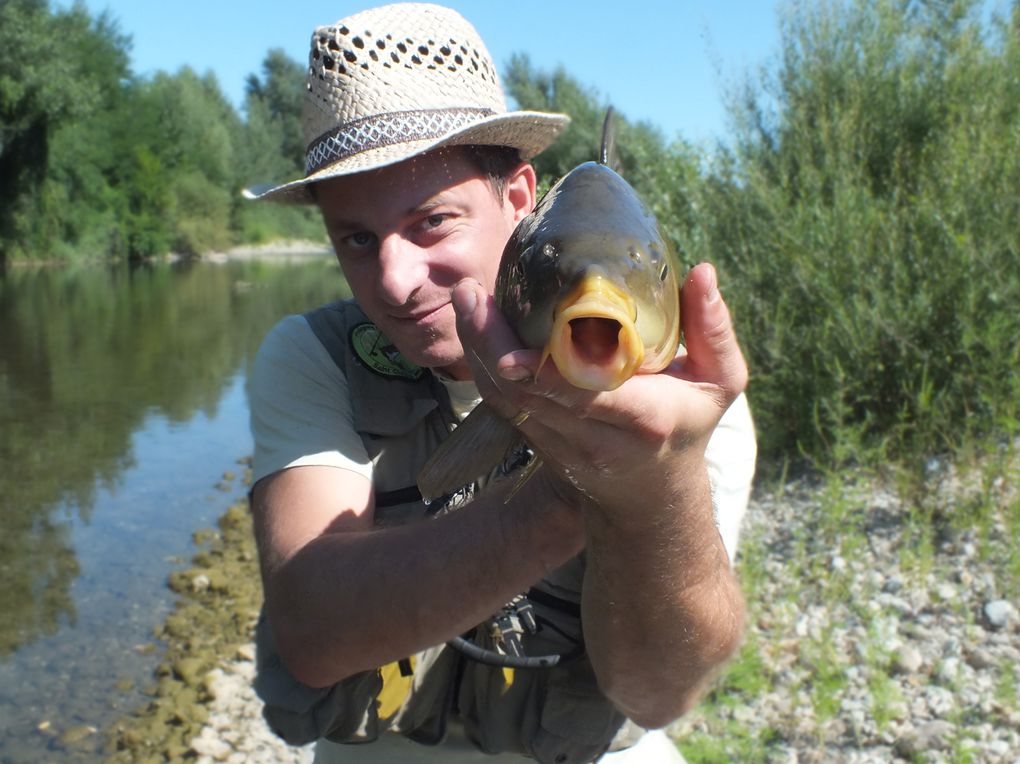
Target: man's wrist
541	513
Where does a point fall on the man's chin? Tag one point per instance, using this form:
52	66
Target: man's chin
437	358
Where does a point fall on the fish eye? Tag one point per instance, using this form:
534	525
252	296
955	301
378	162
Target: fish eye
549	250
635	255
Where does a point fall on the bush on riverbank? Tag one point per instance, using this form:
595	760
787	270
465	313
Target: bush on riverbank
865	224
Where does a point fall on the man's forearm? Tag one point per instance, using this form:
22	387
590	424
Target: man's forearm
662	609
348	602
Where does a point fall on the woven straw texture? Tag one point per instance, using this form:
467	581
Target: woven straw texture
395	81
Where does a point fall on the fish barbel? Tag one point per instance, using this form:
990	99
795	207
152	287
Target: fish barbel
588	279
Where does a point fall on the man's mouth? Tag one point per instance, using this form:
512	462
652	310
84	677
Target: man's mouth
418	316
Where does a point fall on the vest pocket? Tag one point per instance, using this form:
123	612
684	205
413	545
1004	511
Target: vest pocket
301	714
576	725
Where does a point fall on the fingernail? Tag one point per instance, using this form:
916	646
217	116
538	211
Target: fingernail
464	299
712	293
515	373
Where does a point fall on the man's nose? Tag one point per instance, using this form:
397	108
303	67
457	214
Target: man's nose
402	269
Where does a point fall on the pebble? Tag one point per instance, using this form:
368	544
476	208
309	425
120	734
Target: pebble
207	745
200	583
1000	614
235	730
907	660
932	736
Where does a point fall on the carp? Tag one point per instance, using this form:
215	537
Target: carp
588	279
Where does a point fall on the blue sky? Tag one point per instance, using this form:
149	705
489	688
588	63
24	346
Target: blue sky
670	62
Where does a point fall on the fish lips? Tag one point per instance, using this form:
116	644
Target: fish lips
594	340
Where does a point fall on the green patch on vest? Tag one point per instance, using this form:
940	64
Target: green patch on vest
380	355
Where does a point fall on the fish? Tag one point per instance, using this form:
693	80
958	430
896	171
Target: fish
587	278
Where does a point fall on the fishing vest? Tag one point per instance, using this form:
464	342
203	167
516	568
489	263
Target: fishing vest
556	715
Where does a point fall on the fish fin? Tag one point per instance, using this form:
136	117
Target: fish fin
523	477
478	444
607	154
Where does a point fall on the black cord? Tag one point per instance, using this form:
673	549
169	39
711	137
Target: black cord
501	660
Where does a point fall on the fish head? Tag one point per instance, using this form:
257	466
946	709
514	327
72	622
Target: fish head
588	278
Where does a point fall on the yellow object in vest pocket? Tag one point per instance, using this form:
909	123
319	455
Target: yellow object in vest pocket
397	678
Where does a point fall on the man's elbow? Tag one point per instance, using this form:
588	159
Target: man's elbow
296	655
302	651
662	700
653	710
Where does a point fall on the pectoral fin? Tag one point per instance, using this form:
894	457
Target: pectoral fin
478	444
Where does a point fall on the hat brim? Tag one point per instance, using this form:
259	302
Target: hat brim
530	132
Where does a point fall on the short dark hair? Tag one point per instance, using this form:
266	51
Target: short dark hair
496	163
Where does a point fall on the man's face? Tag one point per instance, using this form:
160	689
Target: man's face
406	234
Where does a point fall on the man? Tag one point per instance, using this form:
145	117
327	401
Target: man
421	175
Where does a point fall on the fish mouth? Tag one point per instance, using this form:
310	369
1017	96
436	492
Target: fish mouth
594	340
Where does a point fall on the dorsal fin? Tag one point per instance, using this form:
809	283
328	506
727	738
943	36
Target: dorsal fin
607	155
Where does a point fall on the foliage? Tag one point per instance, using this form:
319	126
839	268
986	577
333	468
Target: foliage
861	216
103	163
665	175
41	110
273	149
864	225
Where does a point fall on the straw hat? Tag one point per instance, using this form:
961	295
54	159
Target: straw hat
393	82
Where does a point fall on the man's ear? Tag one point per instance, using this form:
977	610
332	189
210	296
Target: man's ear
520	191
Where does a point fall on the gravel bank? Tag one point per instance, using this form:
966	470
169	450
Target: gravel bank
276	250
882	629
874	636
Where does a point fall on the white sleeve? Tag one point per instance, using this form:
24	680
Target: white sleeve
730	457
300	413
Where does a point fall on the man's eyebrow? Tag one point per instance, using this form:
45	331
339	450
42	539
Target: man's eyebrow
439	199
339	224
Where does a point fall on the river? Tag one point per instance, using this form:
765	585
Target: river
123	430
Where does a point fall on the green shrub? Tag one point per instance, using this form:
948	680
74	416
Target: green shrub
864	222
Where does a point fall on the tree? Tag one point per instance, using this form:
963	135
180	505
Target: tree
273	150
45	87
275	100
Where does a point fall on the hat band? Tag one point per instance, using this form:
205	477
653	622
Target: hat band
385	130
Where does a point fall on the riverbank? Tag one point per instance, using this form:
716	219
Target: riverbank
286	249
201	704
871	639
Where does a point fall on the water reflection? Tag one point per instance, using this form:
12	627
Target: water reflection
86	356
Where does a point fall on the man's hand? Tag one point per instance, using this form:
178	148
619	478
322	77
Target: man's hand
604	443
660	605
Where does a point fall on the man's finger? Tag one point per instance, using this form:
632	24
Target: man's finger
484	333
713	354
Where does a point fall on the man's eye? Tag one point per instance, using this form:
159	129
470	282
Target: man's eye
434	221
359	240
